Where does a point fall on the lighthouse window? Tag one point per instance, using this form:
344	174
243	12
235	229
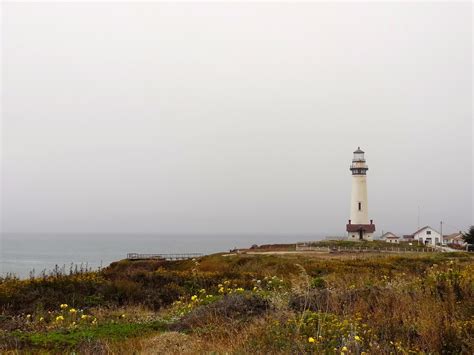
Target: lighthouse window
360	206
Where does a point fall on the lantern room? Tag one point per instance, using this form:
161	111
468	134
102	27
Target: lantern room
358	155
358	166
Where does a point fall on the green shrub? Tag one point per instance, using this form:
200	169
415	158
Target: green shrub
318	282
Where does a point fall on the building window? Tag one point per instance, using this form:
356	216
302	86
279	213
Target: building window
428	232
360	206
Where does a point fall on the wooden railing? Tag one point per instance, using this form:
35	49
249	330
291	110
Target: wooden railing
182	256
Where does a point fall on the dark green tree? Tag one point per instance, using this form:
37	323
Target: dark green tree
469	236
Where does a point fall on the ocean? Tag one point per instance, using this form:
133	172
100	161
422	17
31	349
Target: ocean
26	254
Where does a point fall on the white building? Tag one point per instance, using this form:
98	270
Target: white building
359	227
390	238
455	238
427	236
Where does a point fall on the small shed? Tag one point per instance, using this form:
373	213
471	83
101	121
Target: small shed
390	237
454	238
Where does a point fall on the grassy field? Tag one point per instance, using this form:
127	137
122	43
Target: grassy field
290	303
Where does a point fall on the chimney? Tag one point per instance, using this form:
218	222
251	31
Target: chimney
349	221
371	221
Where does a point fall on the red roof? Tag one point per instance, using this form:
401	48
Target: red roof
368	228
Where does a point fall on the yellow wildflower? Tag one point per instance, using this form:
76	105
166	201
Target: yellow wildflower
311	340
63	306
72	310
194	298
240	289
221	290
59	318
255	288
344	349
84	316
357	338
41	319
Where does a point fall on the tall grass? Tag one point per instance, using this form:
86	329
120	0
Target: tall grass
378	304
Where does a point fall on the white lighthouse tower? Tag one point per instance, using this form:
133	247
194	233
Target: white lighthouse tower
359	226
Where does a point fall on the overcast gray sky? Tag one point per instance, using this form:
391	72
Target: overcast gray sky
236	118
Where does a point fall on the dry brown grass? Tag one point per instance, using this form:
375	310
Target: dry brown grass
409	302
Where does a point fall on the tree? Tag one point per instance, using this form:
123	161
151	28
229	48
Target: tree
469	236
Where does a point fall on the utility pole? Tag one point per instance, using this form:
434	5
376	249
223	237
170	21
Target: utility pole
441	228
418	218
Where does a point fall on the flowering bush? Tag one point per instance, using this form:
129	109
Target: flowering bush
63	317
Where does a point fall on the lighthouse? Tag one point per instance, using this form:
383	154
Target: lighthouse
359	226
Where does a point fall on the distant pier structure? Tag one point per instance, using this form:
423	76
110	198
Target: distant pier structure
180	256
359	226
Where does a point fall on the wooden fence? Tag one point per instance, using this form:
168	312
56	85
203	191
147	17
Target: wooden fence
183	256
339	249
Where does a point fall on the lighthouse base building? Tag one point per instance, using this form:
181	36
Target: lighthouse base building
359	226
358	232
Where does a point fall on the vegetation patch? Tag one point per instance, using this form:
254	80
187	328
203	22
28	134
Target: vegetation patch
71	338
286	303
231	308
